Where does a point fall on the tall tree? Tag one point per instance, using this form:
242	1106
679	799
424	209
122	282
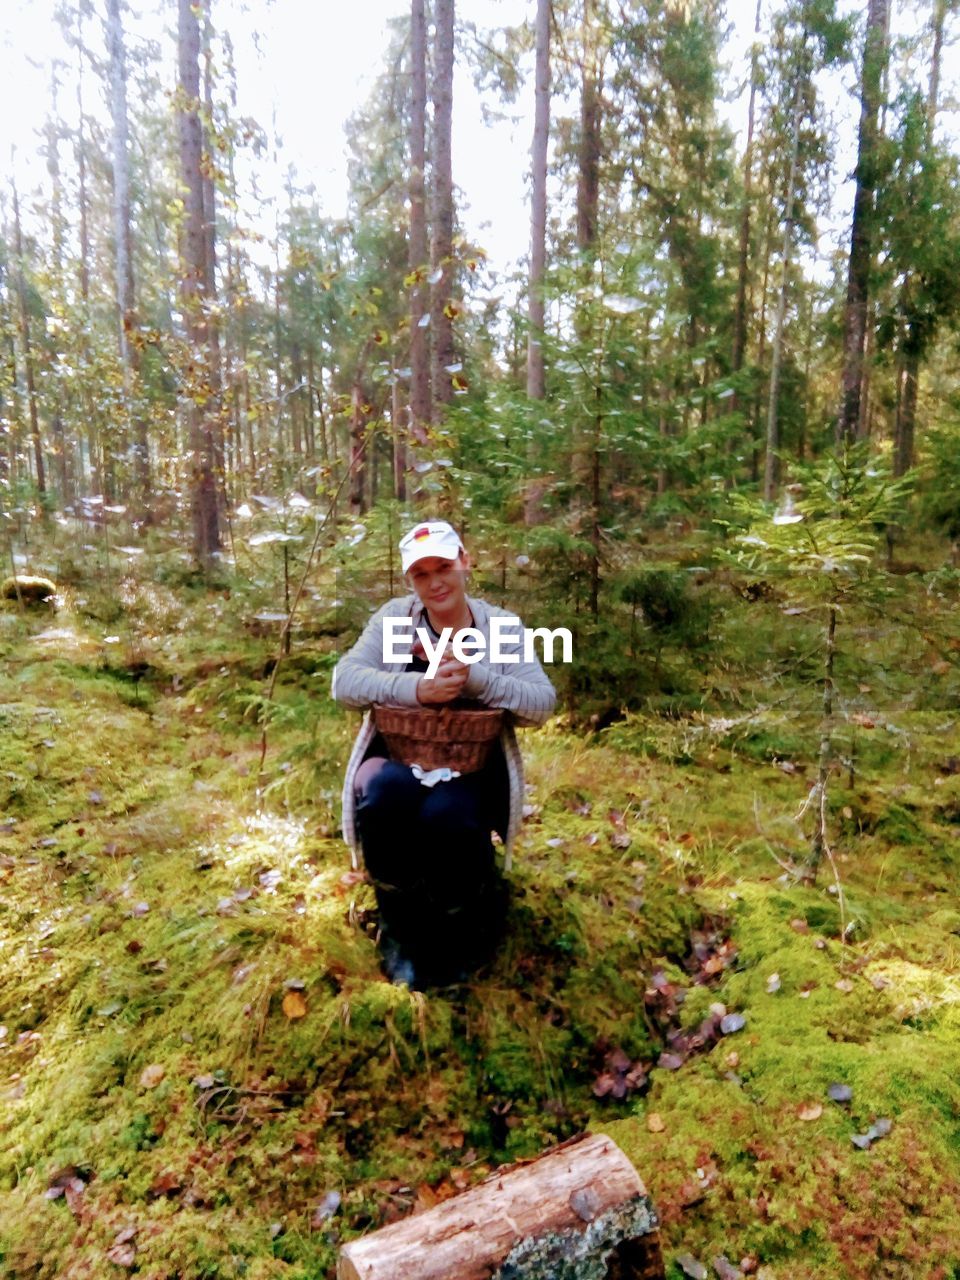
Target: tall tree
54	133
420	403
93	443
743	260
441	256
536	372
208	175
772	463
28	354
536	388
806	37
858	275
193	275
127	323
588	167
918	318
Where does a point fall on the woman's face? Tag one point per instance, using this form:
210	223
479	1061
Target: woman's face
440	583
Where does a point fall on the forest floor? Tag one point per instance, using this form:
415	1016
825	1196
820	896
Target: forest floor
203	1073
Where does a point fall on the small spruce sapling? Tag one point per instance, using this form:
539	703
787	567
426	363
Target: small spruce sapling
823	541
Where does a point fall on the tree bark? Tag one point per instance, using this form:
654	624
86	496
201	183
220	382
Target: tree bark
127	323
358	422
743	262
908	353
933	98
855	313
96	474
588	159
53	132
536	373
536	389
39	469
442	249
772	461
13	414
576	1208
420	402
818	838
193	275
208	186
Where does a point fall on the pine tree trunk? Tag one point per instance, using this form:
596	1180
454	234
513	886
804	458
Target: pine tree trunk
209	190
60	449
588	159
193	275
536	388
536	374
743	262
442	248
357	464
399	443
14	413
819	838
908	355
772	463
587	211
420	402
233	315
39	469
96	476
855	313
908	378
933	99
123	257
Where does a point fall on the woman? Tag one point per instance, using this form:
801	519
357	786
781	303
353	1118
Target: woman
426	842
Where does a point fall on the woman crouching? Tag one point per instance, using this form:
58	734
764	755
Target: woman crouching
425	836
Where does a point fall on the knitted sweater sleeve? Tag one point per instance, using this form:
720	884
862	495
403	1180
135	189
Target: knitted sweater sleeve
525	688
359	678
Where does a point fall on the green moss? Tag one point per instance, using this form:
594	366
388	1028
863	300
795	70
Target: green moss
149	795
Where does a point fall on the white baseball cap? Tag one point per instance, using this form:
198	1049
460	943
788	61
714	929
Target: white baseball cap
431	538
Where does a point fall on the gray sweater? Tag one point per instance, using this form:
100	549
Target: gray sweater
361	678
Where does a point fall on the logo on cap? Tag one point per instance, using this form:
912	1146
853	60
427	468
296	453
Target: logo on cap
423	532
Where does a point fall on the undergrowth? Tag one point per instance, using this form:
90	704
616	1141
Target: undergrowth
201	1064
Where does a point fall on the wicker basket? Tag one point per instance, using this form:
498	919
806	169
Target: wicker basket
461	740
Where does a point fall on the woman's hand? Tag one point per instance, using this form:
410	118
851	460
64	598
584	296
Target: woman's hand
446	684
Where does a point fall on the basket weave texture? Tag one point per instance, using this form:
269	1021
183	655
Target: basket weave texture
460	740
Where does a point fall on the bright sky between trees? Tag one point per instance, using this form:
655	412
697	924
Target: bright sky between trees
305	65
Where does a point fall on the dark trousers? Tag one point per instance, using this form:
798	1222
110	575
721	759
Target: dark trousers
429	854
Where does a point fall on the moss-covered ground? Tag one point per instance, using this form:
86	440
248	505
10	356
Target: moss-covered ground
203	1074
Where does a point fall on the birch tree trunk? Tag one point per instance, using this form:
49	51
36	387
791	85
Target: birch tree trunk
855	313
193	275
442	249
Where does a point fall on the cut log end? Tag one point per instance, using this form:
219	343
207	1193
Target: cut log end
29	588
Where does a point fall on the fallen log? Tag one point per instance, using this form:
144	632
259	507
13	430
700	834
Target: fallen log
27	587
578	1212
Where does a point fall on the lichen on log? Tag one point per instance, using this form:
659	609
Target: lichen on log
580	1255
